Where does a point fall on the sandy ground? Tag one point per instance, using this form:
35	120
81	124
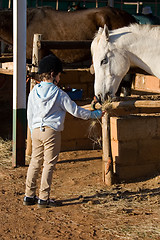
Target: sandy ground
90	210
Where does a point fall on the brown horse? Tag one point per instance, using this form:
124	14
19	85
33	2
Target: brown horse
60	25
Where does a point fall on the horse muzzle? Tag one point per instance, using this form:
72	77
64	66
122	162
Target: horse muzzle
98	100
108	97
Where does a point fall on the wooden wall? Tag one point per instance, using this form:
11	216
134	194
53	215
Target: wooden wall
135	142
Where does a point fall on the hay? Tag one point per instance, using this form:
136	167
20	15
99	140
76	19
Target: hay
6	152
107	106
94	134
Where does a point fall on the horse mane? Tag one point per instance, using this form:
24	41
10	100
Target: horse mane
145	29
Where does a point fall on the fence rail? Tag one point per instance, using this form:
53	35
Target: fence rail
83	44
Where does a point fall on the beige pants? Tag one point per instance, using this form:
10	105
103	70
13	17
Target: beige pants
45	149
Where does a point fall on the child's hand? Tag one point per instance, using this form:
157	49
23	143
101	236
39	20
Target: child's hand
103	112
96	114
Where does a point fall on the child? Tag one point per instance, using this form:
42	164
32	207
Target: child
47	106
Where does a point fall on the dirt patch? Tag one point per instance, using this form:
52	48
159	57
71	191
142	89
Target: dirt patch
90	210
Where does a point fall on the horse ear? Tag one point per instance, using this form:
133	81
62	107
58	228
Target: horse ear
106	31
100	30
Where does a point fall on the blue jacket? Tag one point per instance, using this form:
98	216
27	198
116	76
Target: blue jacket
47	106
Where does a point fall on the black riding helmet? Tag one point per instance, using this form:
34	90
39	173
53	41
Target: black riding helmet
50	63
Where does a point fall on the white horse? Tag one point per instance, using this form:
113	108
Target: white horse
114	52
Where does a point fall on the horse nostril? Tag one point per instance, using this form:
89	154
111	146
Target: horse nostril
99	98
106	97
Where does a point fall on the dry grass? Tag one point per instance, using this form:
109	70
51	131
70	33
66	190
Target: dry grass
94	135
126	211
6	152
107	106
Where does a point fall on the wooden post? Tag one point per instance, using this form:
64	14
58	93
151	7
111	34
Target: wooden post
96	3
9	4
35	62
57	5
36	54
107	165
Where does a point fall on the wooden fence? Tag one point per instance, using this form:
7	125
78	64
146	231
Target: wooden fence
111	109
121	108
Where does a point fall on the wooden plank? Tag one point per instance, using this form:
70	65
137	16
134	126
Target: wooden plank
64	44
78	65
132	107
6	71
6	59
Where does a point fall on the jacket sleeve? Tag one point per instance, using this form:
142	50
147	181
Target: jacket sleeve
71	107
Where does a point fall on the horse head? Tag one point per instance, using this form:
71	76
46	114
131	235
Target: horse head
110	64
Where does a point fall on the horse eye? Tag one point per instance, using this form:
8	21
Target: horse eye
104	61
